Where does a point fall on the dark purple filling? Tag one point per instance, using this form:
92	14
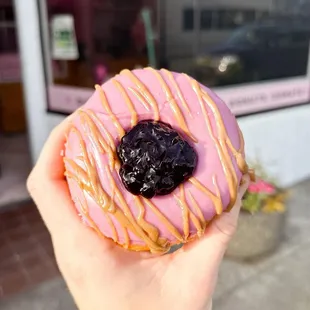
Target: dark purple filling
155	159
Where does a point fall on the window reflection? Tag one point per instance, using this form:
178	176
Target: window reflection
110	35
219	44
262	49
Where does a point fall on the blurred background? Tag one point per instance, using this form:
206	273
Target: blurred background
252	53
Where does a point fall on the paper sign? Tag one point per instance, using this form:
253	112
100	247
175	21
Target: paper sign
64	38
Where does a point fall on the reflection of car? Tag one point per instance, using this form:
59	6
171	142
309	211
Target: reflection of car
260	51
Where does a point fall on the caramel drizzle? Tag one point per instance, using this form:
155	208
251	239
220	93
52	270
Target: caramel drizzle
173	104
140	98
218	208
179	93
150	231
185	209
90	221
81	176
223	133
216	199
113	228
98	139
222	143
171	228
89	182
196	223
153	231
133	112
187	214
106	106
98	123
143	91
126	237
201	218
149	228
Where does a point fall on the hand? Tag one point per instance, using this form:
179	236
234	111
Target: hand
101	275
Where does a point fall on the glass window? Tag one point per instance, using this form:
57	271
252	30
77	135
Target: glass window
231	19
92	40
6	14
102	38
260	15
206	18
247	35
188	19
302	37
248	16
236	43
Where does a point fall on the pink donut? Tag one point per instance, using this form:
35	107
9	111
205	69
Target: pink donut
92	165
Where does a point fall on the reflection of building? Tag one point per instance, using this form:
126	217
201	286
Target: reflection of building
293	6
208	22
192	26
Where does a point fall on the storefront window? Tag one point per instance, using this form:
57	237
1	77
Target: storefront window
92	40
233	46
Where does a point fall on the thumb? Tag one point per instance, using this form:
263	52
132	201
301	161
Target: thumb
207	253
223	228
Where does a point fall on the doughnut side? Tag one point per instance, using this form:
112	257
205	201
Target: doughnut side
92	165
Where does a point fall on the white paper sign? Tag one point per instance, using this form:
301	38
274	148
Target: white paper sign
64	38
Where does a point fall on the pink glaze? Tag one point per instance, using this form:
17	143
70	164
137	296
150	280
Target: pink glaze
208	159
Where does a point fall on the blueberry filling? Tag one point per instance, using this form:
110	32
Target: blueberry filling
155	159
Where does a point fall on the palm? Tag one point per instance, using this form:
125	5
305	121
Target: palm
190	272
101	275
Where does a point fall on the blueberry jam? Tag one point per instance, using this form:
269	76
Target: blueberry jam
155	159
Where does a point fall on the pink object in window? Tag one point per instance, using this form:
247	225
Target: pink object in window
101	73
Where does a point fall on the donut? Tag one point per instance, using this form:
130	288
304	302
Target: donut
151	158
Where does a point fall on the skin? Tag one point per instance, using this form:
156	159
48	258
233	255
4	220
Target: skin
101	275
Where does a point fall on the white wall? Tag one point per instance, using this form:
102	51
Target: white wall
280	140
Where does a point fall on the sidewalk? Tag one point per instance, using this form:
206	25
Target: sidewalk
278	282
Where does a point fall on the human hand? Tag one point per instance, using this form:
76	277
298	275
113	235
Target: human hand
102	275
